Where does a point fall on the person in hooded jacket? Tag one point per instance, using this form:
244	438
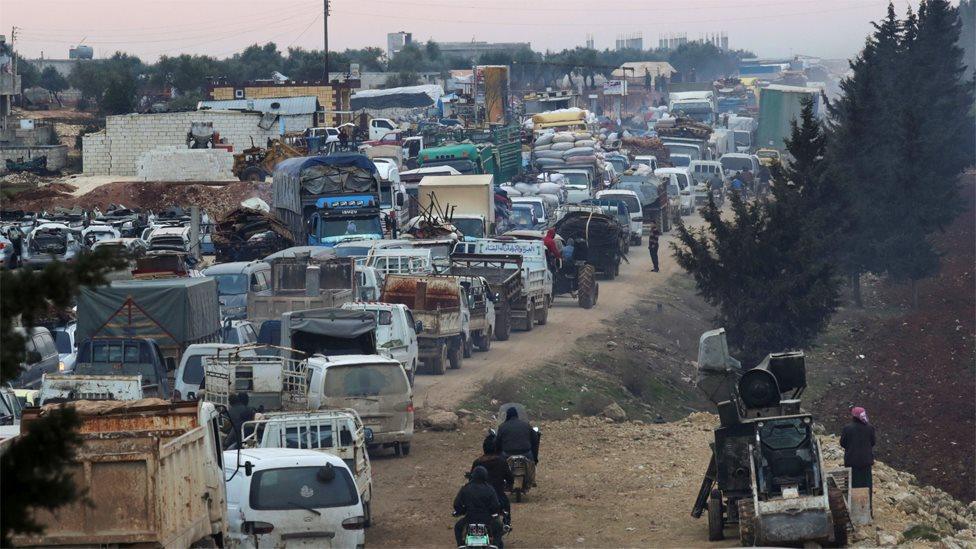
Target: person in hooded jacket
499	475
477	503
857	439
517	438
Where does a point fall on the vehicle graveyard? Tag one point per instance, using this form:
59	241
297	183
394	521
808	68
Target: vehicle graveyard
326	291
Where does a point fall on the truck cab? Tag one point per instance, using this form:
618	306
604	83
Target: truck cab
116	356
341	218
578	183
378	127
396	332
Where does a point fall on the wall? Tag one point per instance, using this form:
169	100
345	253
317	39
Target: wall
331	97
115	150
57	155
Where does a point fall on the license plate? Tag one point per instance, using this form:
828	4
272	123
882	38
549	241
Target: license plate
475	541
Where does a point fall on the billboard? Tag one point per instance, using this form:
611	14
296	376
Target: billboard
491	85
615	87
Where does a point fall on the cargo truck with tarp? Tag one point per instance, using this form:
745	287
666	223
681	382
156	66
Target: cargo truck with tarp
778	106
324	200
175	312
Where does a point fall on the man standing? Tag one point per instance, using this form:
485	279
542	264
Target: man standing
652	244
857	440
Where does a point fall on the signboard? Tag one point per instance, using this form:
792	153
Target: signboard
615	87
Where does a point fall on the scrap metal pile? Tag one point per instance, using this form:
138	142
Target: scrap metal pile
682	127
245	234
647	145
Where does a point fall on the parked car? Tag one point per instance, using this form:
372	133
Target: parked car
235	281
8	255
279	496
41	357
49	242
96	233
64	340
396	332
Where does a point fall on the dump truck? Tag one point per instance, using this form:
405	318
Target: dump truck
766	474
301	281
152	473
439	303
504	273
175	312
467	201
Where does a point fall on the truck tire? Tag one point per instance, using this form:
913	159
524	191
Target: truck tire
716	527
467	346
456	355
609	272
413	373
544	317
529	316
405	448
503	326
586	286
437	363
253	174
747	522
368	510
484	342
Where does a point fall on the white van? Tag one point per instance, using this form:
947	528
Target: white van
539	209
682	177
278	497
190	373
635	209
396	332
702	171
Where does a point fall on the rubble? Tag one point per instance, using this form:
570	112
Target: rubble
245	234
614	412
182	164
441	420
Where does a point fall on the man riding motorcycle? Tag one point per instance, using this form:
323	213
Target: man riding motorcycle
517	438
499	475
477	503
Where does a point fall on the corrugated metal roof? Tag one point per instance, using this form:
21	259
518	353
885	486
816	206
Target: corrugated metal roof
306	104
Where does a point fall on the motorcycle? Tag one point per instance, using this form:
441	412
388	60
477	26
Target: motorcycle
522	467
477	535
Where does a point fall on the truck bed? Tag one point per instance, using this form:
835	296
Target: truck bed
261	308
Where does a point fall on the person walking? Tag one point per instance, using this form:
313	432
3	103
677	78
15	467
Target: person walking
652	245
857	439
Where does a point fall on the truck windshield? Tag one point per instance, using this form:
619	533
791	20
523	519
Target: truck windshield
537	210
352	251
230	284
619	164
736	163
302	488
474	228
356	226
690	150
365	380
578	180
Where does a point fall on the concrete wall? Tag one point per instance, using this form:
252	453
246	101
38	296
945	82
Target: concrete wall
116	150
57	155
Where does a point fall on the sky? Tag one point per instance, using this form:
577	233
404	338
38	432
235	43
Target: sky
151	28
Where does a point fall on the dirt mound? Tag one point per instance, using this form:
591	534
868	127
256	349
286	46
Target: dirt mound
48	193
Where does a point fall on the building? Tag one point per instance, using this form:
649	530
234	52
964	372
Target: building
633	41
718	39
636	71
672	41
395	42
473	50
333	97
294	114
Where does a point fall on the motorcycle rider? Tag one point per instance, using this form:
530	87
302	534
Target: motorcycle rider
499	475
517	438
477	503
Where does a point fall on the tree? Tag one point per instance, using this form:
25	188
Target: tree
33	470
769	269
401	79
52	80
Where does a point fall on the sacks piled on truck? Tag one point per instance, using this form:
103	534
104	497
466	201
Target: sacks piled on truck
559	149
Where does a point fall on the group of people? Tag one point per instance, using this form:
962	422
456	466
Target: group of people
483	500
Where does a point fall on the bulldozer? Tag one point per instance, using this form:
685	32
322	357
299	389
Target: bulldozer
256	163
766	474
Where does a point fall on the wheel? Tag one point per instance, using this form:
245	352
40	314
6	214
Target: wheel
405	448
716	527
586	286
437	363
747	522
484	342
368	510
413	373
596	292
544	317
397	451
518	496
503	325
529	316
456	355
468	347
253	174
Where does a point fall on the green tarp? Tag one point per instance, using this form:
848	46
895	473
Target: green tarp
172	311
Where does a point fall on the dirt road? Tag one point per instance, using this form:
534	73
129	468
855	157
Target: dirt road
567	322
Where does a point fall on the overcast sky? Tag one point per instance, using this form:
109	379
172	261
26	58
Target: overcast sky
826	28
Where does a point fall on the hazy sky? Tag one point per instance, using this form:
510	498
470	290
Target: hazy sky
150	28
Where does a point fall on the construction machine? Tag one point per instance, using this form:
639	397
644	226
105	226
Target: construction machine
256	163
766	473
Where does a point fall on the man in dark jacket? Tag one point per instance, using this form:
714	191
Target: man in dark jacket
499	475
477	502
857	440
653	244
517	438
239	412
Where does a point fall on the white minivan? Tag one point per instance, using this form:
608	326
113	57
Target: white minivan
634	207
282	497
682	177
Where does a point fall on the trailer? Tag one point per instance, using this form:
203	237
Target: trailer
152	473
504	273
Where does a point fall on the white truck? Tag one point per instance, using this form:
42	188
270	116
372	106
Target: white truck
440	304
396	332
65	388
533	306
378	127
152	471
467	201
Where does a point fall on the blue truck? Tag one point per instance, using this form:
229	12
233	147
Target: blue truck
325	200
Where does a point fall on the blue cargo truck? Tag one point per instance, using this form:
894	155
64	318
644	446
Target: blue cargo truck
325	200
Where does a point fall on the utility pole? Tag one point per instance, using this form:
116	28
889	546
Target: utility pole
325	36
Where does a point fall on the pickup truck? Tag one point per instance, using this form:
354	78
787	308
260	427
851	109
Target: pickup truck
66	388
533	305
337	432
396	332
440	303
301	281
329	332
504	274
153	474
481	304
116	356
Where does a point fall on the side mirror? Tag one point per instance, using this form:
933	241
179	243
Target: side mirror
418	326
248	468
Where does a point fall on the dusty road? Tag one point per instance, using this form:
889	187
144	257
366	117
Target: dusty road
567	322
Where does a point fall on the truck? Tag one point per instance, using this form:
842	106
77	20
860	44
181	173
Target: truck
698	105
57	388
124	356
503	272
329	332
152	473
467	158
532	306
396	332
467	201
324	200
301	281
175	312
481	306
440	304
778	106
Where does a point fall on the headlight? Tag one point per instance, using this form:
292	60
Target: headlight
61	366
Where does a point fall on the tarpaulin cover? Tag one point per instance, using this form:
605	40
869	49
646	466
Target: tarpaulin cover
333	322
181	309
403	97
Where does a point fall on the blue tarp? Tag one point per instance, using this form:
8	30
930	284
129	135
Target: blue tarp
293	166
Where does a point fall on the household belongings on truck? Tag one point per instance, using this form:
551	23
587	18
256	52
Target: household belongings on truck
245	234
638	146
601	234
565	149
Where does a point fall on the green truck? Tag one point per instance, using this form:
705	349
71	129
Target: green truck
778	106
496	151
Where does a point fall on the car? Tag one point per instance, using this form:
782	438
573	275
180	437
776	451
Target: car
279	496
41	357
686	188
49	242
170	238
238	332
235	281
92	234
9	254
64	340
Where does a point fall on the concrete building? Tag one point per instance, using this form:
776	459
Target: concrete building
294	114
333	97
377	79
473	50
672	41
633	41
116	149
395	42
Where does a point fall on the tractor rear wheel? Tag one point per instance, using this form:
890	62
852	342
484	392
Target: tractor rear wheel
253	174
586	286
716	526
747	522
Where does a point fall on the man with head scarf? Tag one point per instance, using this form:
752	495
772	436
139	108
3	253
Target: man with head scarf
477	503
499	475
857	440
517	438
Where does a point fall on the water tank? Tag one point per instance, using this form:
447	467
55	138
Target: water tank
81	52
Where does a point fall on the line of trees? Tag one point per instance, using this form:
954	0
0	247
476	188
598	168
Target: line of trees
862	193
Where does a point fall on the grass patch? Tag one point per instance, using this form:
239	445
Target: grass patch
922	532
